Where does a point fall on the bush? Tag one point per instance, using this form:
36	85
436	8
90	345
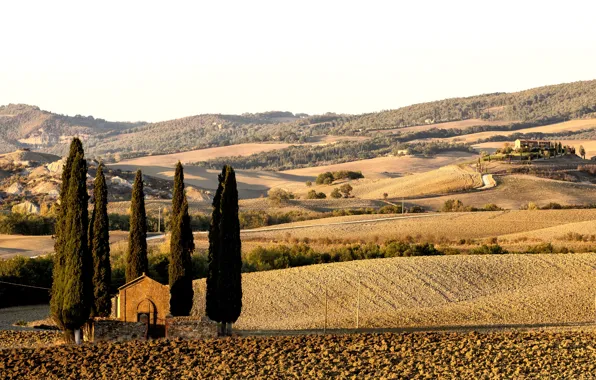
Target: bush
327	178
346	189
314	195
491	207
453	205
280	196
493	249
551	206
26	224
27	271
335	193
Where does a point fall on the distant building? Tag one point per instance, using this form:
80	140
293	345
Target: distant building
532	144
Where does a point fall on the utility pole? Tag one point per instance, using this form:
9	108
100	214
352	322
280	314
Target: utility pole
403	210
325	326
358	304
159	219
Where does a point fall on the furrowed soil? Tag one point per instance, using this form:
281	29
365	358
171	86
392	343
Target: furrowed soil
398	356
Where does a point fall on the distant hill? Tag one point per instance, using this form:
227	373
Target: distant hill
28	126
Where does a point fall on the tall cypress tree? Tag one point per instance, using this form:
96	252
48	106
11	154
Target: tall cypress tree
136	261
76	284
180	269
212	295
56	302
100	248
181	248
177	193
230	279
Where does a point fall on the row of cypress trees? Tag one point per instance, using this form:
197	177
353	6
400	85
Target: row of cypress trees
81	274
224	280
82	269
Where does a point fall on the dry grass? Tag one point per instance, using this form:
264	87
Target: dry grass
421	291
441	181
434	227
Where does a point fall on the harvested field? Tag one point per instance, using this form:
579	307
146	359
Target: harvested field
427	227
447	179
29	246
461	290
383	166
514	191
413	356
572	125
202	154
461	124
15	339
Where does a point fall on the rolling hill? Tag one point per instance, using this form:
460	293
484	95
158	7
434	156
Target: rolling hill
420	292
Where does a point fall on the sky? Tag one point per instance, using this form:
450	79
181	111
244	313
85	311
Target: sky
131	60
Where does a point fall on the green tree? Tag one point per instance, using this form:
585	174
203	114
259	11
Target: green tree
336	193
582	152
214	259
76	286
59	278
100	248
136	260
230	279
346	189
181	248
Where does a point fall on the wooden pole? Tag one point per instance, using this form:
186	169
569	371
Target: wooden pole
325	326
358	304
159	219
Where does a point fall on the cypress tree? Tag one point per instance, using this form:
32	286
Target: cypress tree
136	260
100	248
56	302
230	278
212	294
177	193
76	284
180	268
181	248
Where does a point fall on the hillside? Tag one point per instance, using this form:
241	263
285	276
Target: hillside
28	126
421	291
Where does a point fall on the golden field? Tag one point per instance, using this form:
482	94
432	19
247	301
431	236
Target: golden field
425	227
460	290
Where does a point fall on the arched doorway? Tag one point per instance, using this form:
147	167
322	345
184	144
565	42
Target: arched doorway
147	312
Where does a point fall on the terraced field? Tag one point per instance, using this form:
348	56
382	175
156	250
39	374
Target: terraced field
421	291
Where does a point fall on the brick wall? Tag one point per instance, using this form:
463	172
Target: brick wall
114	330
190	328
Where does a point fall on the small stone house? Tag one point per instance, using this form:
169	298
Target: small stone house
142	298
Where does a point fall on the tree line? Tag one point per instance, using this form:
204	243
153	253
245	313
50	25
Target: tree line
82	270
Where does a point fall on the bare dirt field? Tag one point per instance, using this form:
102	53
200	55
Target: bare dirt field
459	290
430	227
381	356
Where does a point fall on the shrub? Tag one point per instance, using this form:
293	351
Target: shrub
551	206
280	196
26	224
28	271
314	195
453	205
346	189
336	193
491	207
492	249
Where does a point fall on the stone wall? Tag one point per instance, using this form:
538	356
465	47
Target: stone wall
114	330
190	328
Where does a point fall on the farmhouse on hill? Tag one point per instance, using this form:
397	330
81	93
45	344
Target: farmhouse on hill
532	144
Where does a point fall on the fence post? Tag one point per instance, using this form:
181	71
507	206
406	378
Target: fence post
358	304
325	326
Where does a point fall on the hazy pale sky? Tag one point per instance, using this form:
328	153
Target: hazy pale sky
159	60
